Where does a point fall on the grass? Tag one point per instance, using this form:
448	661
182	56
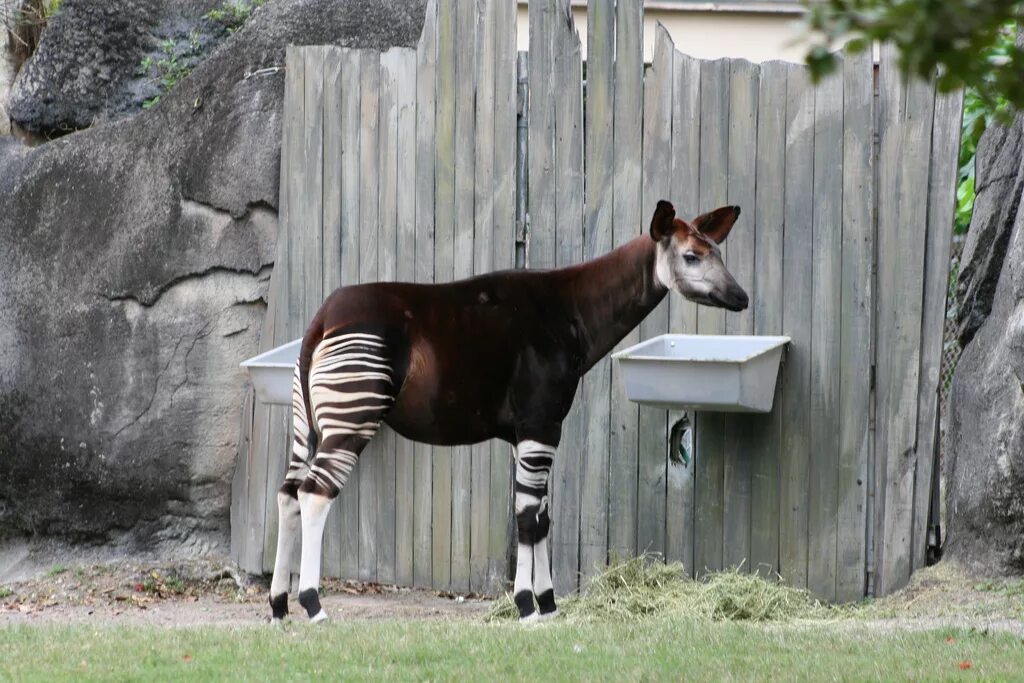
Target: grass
650	649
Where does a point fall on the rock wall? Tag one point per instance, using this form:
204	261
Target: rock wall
6	69
136	256
984	448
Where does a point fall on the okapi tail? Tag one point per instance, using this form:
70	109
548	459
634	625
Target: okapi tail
310	340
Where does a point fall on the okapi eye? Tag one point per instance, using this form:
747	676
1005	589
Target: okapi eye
690	258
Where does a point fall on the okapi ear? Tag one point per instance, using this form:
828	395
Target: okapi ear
717	224
662	221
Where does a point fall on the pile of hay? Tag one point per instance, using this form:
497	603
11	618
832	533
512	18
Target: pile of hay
644	587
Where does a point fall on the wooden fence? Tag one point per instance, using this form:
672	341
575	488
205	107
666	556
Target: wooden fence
402	165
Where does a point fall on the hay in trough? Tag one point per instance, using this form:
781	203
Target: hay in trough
643	587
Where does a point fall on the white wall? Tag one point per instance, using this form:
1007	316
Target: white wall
757	36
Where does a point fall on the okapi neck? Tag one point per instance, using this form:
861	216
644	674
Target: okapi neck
614	293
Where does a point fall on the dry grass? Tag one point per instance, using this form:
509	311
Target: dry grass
643	587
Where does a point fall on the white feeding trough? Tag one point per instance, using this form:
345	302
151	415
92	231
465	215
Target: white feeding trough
271	373
728	373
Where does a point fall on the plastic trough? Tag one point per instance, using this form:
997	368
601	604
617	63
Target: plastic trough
729	373
271	373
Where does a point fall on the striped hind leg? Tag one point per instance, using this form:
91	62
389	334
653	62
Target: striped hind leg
352	388
288	525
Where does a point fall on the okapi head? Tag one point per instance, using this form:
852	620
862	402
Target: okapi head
689	260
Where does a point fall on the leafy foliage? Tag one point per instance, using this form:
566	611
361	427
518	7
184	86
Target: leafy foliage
233	13
172	66
962	41
978	115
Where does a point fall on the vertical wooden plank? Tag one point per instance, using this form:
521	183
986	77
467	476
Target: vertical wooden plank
464	201
827	218
422	494
444	268
564	488
946	126
855	331
543	191
279	417
626	224
348	500
767	302
794	466
483	255
332	259
240	483
309	286
657	183
405	450
907	110
710	427
250	558
685	156
369	160
600	202
387	271
503	259
742	170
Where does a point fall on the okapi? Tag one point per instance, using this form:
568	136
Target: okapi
494	356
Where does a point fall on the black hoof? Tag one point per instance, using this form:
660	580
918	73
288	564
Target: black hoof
279	605
546	602
524	601
310	599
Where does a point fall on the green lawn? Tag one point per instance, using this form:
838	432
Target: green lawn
655	649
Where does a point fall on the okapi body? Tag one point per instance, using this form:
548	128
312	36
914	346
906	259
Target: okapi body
495	356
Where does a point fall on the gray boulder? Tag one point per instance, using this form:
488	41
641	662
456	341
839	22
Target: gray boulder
984	449
136	258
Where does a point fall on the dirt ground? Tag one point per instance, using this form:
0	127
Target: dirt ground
203	593
211	592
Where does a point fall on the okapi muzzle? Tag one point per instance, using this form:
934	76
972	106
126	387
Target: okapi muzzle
498	356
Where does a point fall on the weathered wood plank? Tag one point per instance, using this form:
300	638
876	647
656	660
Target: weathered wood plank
387	270
543	191
279	418
907	110
503	259
369	160
444	266
855	325
332	245
657	184
767	302
483	257
946	126
710	427
351	60
309	233
240	485
626	224
426	81
685	157
405	271
794	465
464	201
600	198
827	218
564	488
744	84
